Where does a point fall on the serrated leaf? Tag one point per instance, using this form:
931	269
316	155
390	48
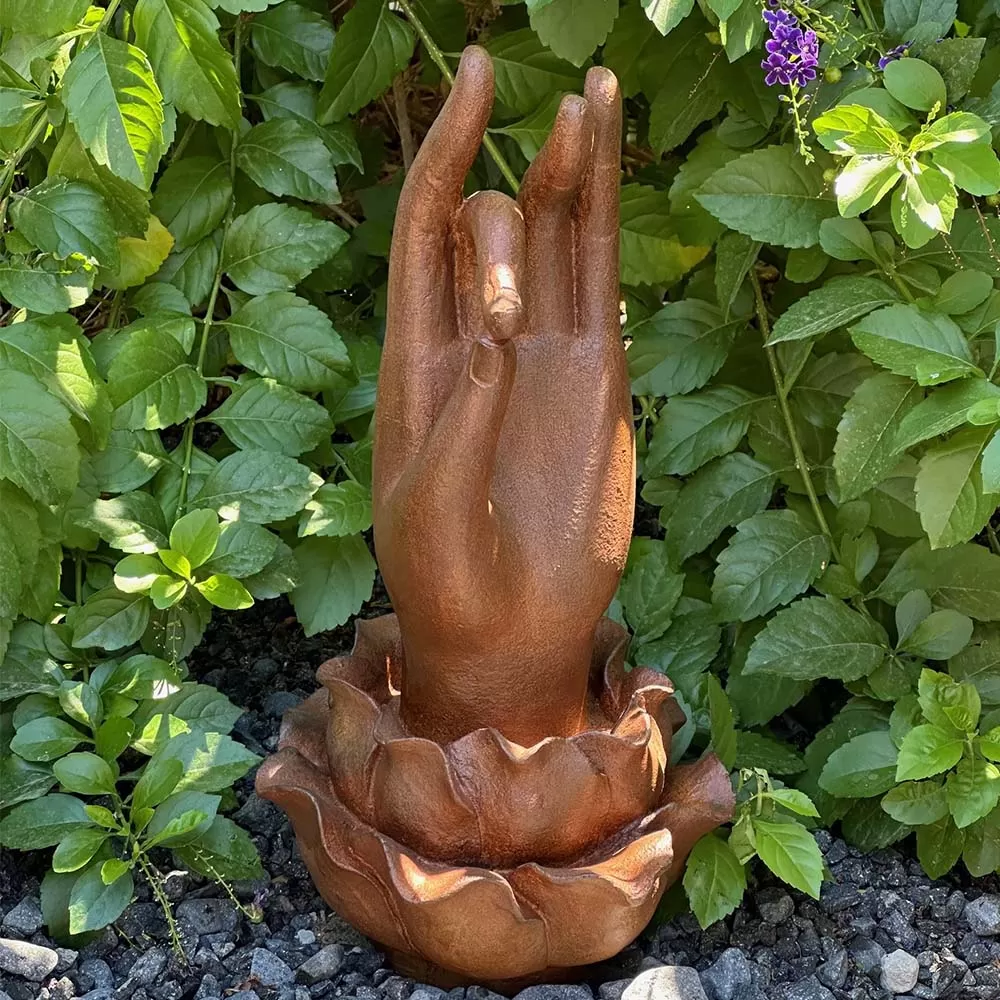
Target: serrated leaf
64	217
45	285
43	822
927	750
273	247
282	336
243	549
110	619
45	738
943	410
973	791
295	38
140	257
865	452
572	29
93	904
285	157
951	500
47	18
770	195
862	767
526	72
979	664
336	578
818	637
649	590
939	846
714	880
773	557
196	73
191	198
112	99
337	509
151	383
212	761
257	486
916	803
38	446
790	851
698	427
132	522
371	47
224	849
130	460
834	305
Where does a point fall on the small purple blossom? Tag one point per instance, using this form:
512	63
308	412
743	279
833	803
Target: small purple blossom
792	54
893	54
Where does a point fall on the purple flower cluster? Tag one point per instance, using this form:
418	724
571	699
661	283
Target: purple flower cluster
893	54
792	54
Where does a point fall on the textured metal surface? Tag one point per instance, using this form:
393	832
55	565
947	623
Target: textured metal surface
480	785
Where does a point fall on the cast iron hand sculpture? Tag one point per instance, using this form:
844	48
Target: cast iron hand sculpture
480	786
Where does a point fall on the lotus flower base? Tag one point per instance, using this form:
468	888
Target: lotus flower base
481	860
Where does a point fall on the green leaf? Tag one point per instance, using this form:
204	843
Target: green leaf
973	168
722	730
990	465
45	738
943	410
973	791
21	781
257	486
181	818
687	647
572	29
834	305
93	905
151	383
916	803
46	285
192	270
85	773
651	252
698	427
196	73
928	750
818	637
295	38
982	846
159	779
53	350
42	822
191	198
526	72
223	591
81	702
649	590
46	18
962	291
195	536
714	880
285	157
38	446
857	129
212	761
979	664
65	217
941	635
825	385
773	557
665	15
110	619
928	347
720	495
531	131
224	849
131	522
112	99
284	337
243	549
846	239
916	84
337	509
864	182
902	16
790	851
794	801
135	573
273	247
863	767
77	848
865	451
771	195
735	254
947	704
336	578
679	348
265	414
939	846
371	47
951	500
774	756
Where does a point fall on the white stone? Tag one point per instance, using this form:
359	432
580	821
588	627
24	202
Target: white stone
899	971
669	982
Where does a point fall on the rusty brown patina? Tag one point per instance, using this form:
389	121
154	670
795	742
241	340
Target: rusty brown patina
481	786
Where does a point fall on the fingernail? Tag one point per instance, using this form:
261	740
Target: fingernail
486	364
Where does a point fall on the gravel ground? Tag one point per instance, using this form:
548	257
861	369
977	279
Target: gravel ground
881	928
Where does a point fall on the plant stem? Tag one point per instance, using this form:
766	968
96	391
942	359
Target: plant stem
403	121
991	535
156	884
901	285
10	168
438	58
866	16
801	462
106	19
206	326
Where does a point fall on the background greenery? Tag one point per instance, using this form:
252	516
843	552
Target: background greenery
196	204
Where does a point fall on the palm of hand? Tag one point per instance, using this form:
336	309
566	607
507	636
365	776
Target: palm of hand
504	474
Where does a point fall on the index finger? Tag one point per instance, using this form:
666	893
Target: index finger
418	264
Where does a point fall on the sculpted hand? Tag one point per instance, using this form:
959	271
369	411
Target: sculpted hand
504	454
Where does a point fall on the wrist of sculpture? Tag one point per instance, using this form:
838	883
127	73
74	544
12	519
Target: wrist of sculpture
481	786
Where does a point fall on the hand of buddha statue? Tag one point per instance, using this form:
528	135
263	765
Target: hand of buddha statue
504	453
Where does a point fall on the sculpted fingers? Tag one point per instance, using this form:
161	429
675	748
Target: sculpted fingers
546	197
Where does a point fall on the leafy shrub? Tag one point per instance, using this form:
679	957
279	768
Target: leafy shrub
197	204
